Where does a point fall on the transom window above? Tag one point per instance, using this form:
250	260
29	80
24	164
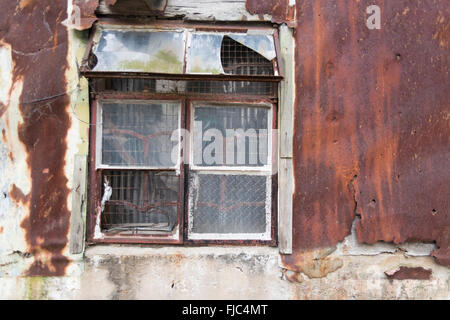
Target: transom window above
143	49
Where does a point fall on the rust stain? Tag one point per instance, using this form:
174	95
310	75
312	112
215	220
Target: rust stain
1	230
371	125
314	264
407	273
2	109
17	195
39	48
443	33
278	9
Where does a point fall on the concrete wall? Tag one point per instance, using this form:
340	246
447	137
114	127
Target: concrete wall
128	272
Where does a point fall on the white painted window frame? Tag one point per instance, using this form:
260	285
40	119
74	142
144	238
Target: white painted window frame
229	170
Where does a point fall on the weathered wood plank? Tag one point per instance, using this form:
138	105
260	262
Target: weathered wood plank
287	92
206	10
285	192
78	205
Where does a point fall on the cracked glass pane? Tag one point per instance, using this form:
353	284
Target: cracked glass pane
140	51
139	134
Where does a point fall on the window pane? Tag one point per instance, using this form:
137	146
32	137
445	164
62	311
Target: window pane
231	136
238	54
139	134
140	51
227	204
203	55
141	201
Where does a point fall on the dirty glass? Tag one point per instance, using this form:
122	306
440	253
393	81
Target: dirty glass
227	204
141	201
231	136
203	54
140	51
139	134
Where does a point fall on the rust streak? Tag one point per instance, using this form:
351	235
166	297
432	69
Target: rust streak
32	27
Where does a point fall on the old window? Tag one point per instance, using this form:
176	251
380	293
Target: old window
183	144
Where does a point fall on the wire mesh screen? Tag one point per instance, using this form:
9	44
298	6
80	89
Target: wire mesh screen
231	136
140	202
227	204
139	135
266	89
238	59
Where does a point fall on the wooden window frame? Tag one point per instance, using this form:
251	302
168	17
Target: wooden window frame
95	172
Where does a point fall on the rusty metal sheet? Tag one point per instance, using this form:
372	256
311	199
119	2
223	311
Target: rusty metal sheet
371	136
280	10
39	49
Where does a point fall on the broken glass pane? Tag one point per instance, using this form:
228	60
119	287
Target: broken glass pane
141	201
139	134
227	204
231	136
262	44
140	51
244	54
241	60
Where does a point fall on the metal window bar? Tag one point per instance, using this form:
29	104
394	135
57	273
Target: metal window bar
141	202
228	202
138	134
264	89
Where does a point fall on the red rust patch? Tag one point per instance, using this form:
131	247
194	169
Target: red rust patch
406	273
40	45
1	229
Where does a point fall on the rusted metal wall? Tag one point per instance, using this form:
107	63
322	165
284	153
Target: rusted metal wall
371	136
39	49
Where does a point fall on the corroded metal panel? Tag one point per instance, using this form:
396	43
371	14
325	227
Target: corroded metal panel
371	135
39	44
280	10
